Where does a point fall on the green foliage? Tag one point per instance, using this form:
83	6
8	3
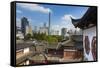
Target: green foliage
39	36
49	38
17	38
28	37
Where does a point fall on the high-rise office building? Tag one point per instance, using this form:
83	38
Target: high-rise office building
54	32
30	30
24	25
35	30
44	29
64	32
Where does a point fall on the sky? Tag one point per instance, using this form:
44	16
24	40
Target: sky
38	14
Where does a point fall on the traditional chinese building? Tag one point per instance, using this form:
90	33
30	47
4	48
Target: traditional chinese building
53	52
23	51
88	24
72	49
27	53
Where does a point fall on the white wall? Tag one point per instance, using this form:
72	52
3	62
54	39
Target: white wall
90	33
26	50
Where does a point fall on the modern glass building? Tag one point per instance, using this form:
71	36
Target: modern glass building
24	24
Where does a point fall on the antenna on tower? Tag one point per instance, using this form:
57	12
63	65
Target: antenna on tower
49	23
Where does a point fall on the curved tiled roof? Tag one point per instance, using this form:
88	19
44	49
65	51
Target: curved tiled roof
74	41
23	45
90	17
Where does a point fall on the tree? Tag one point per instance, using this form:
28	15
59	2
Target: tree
28	37
17	38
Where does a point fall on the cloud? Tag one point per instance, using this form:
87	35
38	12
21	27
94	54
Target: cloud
67	17
66	21
34	7
19	11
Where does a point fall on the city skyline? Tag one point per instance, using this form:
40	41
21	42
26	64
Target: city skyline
38	14
52	33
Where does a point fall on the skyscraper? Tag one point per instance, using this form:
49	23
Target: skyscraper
54	32
49	24
30	30
35	29
44	29
24	25
64	32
